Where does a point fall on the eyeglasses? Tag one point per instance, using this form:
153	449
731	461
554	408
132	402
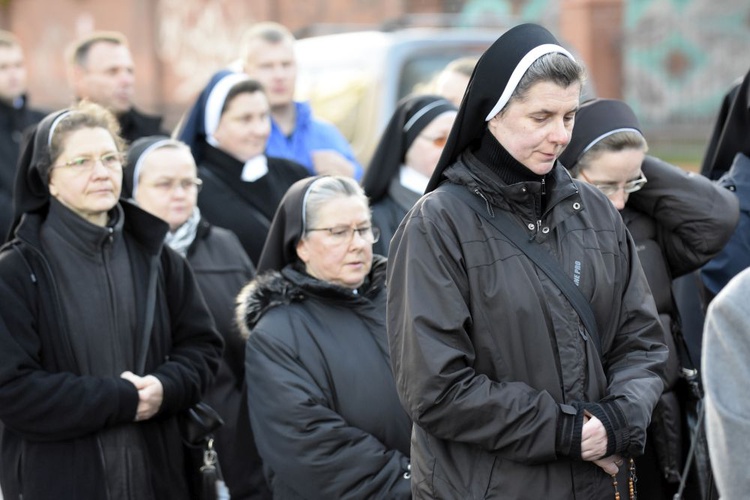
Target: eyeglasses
342	234
170	185
111	161
438	142
610	189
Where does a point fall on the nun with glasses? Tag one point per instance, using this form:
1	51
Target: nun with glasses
678	221
510	394
161	177
227	129
323	404
105	338
404	160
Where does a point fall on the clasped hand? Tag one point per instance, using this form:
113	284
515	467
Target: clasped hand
594	445
150	394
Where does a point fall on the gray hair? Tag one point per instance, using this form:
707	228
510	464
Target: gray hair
324	190
553	67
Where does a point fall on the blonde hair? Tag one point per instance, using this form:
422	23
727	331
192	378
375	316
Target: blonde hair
83	115
8	39
269	32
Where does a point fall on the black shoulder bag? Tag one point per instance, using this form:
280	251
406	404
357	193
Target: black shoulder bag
538	255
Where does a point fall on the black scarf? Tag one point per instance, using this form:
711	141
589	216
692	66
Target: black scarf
286	229
31	190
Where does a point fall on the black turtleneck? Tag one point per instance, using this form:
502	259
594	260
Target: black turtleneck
496	158
493	156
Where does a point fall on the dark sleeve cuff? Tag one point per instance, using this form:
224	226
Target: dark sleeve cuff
613	419
128	400
569	426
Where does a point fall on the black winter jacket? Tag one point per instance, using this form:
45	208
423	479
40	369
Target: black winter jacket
678	222
389	211
52	413
221	269
323	404
13	122
492	362
134	125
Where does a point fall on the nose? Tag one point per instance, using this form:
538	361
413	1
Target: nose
261	128
619	198
560	133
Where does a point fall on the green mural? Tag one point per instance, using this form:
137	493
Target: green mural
681	56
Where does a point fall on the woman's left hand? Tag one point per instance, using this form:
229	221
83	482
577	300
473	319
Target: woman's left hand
150	394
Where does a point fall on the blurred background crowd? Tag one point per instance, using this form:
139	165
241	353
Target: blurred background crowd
671	60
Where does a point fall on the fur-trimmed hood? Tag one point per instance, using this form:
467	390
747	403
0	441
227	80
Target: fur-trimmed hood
292	284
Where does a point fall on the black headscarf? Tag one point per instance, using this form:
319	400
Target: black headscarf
193	132
493	81
31	186
411	117
287	228
136	156
596	120
731	133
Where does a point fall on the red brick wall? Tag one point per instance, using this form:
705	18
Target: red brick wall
176	44
595	29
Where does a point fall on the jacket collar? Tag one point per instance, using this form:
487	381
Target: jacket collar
521	197
274	288
148	230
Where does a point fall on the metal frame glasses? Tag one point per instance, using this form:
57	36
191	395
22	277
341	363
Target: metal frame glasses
86	163
170	185
342	234
610	189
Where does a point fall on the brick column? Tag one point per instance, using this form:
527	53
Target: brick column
594	28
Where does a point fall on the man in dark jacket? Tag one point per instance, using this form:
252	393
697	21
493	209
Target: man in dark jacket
15	116
100	69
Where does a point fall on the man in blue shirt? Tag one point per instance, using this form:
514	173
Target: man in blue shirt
268	56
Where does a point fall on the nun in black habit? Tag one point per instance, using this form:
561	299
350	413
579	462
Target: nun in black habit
104	336
221	269
404	160
511	396
323	404
227	129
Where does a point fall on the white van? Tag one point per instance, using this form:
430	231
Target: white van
355	80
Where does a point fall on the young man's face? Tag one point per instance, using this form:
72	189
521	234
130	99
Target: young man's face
273	65
12	73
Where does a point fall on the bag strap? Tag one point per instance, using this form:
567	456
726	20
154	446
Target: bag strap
538	255
148	322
